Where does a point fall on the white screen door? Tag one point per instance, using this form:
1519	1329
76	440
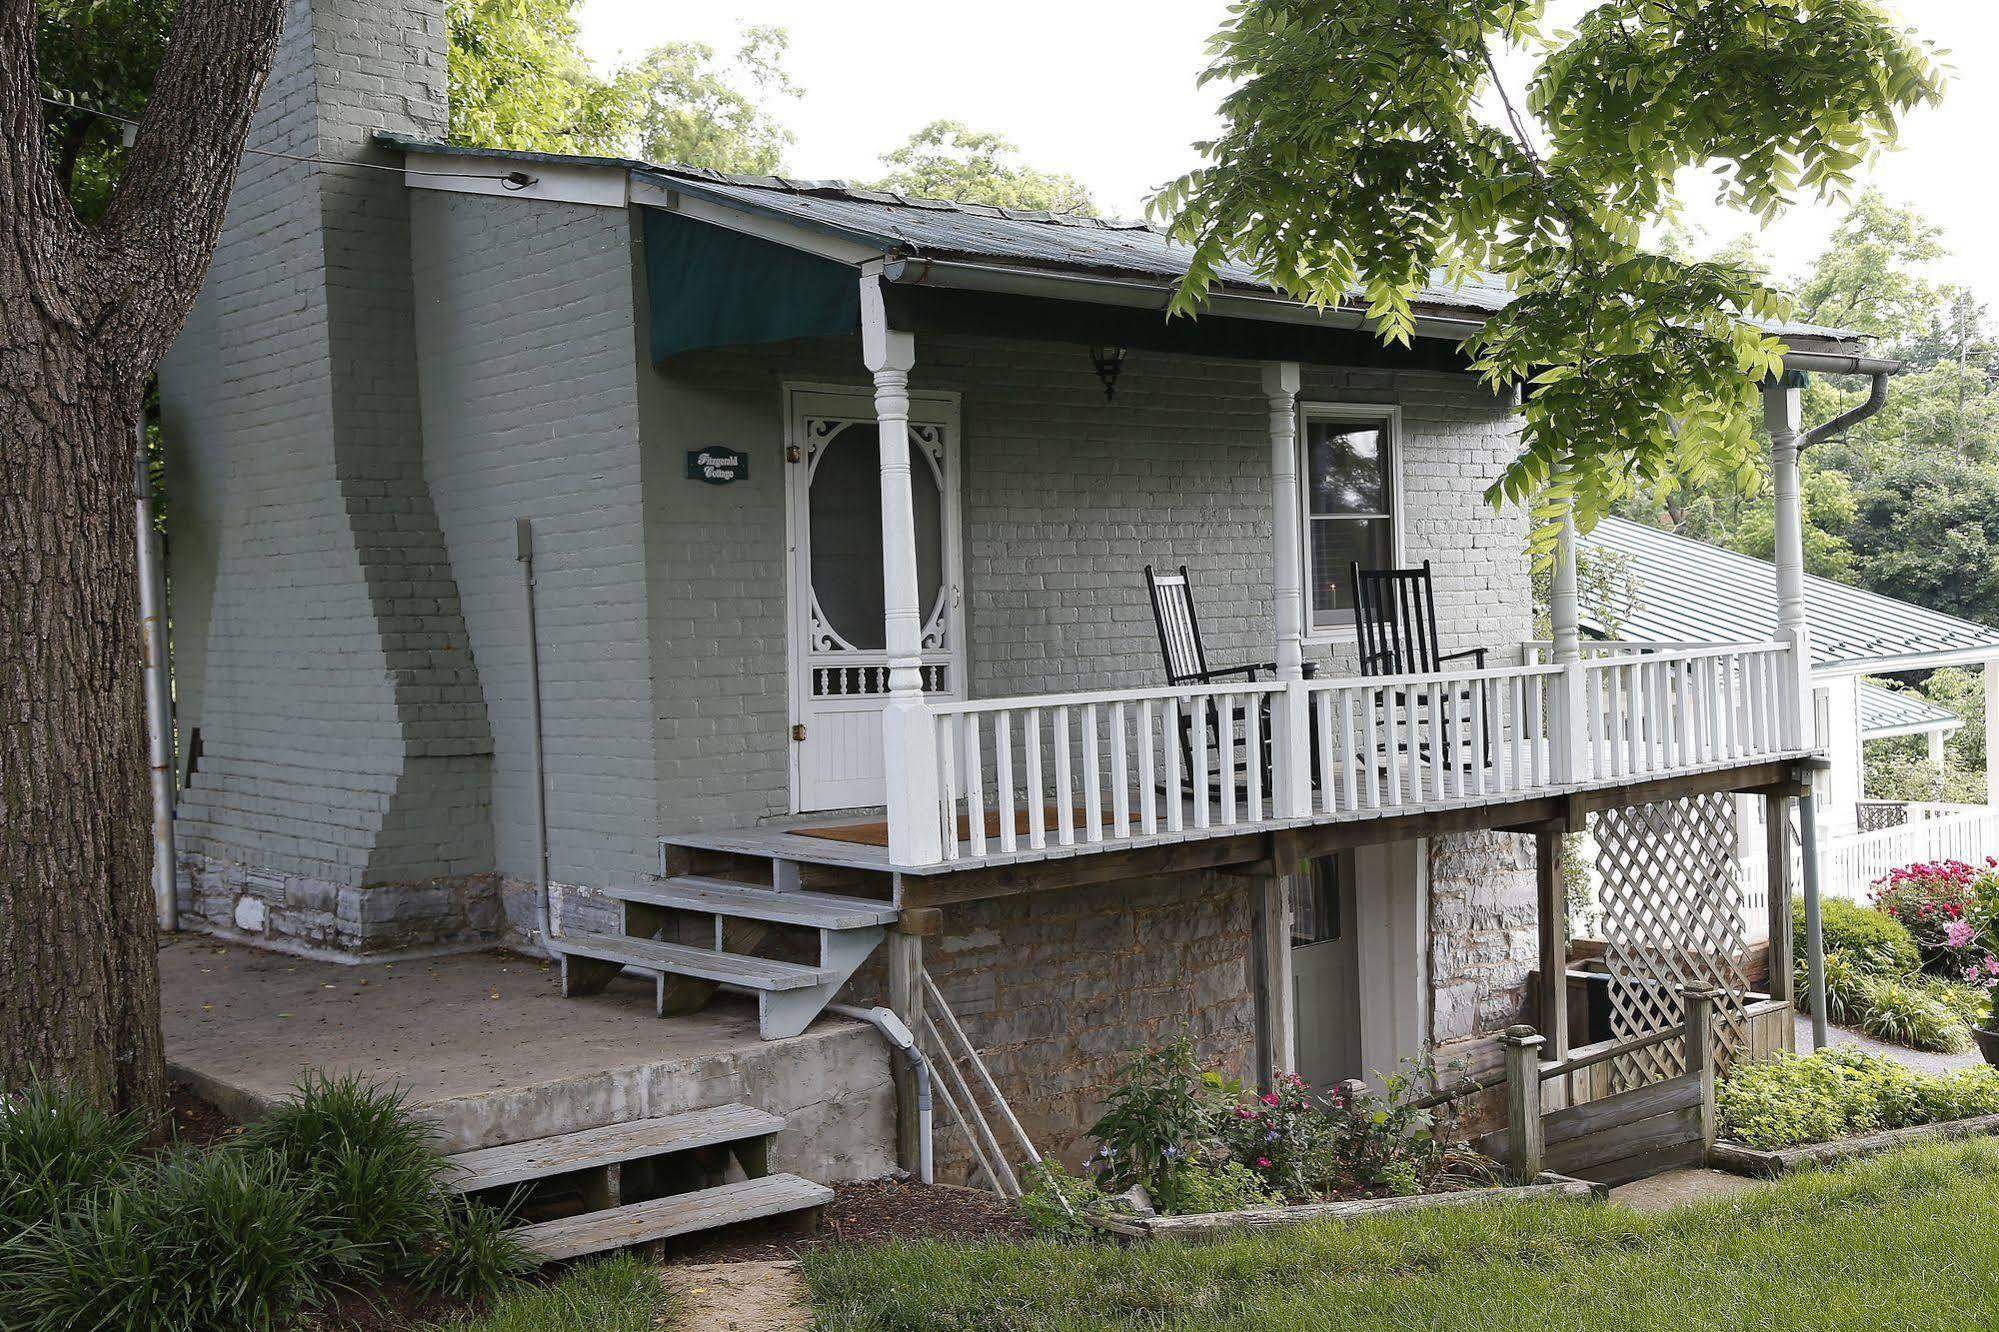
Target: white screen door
839	658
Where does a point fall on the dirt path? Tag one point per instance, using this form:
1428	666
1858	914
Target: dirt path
742	1297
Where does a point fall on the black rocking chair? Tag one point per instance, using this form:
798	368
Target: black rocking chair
1187	663
1395	616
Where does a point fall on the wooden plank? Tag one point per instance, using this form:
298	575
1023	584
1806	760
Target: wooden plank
905	1000
819	911
1270	964
519	1162
755	973
1208	1225
1644	1165
1659	1098
1590	1153
663	1218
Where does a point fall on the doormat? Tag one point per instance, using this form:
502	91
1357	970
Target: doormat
876	834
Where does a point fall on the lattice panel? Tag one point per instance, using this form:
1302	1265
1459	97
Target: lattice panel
1670	890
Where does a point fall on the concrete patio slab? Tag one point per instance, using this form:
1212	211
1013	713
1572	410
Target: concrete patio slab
488	1048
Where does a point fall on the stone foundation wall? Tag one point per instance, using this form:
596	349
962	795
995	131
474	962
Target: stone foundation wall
1055	989
296	913
1484	946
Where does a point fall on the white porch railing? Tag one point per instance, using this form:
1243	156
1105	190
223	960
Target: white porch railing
1109	767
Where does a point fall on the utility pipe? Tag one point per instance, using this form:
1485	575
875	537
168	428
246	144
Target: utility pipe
524	552
159	691
900	1038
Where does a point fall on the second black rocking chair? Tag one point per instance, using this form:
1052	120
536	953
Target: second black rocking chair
1395	618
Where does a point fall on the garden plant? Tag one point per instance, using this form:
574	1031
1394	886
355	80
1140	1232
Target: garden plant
338	1192
1178	1140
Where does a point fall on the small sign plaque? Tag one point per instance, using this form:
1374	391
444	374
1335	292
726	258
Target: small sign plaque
717	465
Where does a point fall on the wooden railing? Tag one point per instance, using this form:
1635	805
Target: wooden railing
1099	769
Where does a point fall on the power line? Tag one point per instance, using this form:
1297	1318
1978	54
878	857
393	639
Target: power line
512	180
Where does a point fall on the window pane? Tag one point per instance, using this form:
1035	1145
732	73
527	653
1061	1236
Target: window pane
1346	467
1337	544
1315	903
846	534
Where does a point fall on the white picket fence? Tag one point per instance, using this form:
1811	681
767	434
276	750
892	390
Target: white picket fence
1850	865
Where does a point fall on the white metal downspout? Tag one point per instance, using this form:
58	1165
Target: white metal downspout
1781	412
903	1040
524	552
159	692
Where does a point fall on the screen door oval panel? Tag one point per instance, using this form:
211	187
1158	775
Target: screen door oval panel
839	648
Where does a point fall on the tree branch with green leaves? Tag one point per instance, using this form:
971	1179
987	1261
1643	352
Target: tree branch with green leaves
1369	150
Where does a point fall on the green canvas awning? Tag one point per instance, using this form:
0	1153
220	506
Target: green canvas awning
713	287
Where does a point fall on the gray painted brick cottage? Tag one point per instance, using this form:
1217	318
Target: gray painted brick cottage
806	677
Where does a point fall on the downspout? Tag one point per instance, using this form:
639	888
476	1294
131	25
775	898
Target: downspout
159	692
1877	396
897	1035
524	552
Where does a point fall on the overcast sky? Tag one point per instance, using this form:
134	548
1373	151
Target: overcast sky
1105	90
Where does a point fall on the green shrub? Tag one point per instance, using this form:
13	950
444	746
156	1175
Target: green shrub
1969	1003
1227	1186
1836	1093
57	1152
1875	940
1846	986
204	1242
367	1167
474	1255
1906	1015
1058	1203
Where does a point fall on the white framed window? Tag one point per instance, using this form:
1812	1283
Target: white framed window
1350	491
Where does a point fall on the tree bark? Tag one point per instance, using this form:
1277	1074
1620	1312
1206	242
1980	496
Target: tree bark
86	312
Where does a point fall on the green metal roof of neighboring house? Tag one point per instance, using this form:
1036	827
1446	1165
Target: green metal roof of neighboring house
1885	712
1690	591
1047	242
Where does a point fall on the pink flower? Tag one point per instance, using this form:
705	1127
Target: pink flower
1263	1163
1959	933
1270	1098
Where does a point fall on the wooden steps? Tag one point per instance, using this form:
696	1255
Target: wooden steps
520	1162
740	919
819	911
682	1214
640	1181
751	973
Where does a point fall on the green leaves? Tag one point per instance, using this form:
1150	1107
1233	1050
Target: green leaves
1366	152
947	159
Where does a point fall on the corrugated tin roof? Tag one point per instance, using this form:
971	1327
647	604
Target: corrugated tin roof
941	229
1689	591
1897	711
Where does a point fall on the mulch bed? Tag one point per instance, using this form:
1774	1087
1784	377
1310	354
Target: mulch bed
869	1213
196	1123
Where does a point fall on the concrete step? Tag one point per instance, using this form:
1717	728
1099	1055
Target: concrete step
611	1144
819	911
681	1214
751	973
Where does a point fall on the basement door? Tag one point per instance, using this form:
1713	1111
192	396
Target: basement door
1325	972
839	657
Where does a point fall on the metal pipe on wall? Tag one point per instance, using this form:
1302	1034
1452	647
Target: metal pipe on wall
159	689
524	552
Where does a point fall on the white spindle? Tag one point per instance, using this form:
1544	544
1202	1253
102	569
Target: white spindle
1093	793
947	785
1170	742
1120	774
1440	730
975	787
1224	715
1009	813
1065	791
1037	809
1253	714
1148	797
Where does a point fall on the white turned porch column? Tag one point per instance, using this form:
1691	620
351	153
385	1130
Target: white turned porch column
1569	756
1781	410
1291	745
909	739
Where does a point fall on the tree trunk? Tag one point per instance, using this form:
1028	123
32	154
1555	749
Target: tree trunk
86	312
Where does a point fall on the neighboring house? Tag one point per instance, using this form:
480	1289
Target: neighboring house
1690	591
837	541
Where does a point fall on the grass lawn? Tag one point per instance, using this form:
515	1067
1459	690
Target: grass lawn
1908	1241
618	1295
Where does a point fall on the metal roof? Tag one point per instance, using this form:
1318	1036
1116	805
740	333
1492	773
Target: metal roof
1690	591
1885	712
941	229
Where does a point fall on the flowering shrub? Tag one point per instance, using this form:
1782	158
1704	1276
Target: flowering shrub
1197	1142
1951	909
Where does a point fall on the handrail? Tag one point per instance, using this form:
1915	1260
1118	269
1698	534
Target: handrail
1589	1056
1150	693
